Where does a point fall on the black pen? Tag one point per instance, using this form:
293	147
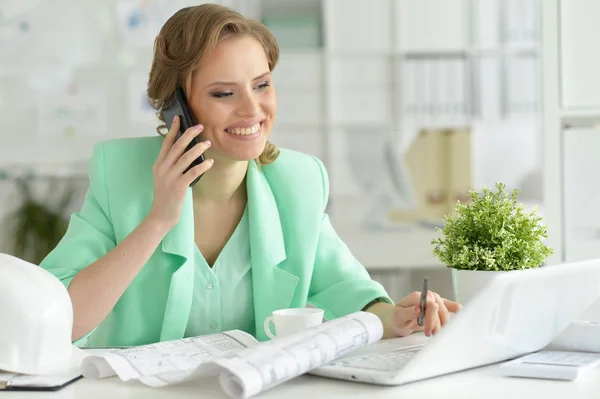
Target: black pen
421	319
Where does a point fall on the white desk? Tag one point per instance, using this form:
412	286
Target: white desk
478	383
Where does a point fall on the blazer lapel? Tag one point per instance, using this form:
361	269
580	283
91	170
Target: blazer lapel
179	241
273	287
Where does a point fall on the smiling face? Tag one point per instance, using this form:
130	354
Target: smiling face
232	96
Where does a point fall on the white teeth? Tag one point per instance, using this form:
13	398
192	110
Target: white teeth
244	130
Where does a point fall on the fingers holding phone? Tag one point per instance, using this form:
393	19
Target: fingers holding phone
183	155
169	140
186	142
191	174
173	174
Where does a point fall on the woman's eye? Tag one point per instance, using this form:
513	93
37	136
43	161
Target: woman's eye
221	94
264	85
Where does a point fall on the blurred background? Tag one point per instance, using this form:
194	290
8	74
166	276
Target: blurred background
409	103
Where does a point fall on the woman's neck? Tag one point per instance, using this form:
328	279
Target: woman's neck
223	183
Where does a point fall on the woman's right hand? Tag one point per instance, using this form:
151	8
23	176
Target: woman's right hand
170	181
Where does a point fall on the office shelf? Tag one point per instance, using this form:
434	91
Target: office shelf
347	71
365	57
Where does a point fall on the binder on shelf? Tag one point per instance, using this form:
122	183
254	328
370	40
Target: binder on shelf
489	83
523	85
295	32
440	166
460	174
522	22
487	26
435	91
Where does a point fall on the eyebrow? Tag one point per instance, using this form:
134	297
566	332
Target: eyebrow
219	83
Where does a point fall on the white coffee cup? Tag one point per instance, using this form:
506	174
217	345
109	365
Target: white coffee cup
290	321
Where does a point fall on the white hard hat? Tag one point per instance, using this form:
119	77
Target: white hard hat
36	319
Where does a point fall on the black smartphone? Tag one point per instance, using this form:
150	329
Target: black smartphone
180	107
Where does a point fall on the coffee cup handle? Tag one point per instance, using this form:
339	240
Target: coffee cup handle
268	321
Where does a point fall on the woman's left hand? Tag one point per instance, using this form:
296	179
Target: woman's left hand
406	312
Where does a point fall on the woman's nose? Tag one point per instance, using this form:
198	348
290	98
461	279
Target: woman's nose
248	106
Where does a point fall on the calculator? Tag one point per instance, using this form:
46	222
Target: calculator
556	365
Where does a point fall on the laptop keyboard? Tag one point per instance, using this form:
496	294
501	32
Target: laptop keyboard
388	361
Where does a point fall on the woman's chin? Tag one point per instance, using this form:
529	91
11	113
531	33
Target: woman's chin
244	154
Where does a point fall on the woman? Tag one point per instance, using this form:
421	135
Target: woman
150	259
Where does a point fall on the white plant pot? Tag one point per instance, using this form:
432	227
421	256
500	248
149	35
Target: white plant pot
467	283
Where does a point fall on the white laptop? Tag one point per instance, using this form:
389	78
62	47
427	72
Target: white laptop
515	314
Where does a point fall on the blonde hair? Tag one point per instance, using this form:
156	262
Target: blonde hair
185	38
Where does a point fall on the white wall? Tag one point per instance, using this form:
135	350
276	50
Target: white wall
357	80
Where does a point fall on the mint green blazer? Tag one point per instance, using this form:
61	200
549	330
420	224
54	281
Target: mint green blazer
297	257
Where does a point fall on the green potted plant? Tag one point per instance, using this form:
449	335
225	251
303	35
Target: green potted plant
491	234
37	225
